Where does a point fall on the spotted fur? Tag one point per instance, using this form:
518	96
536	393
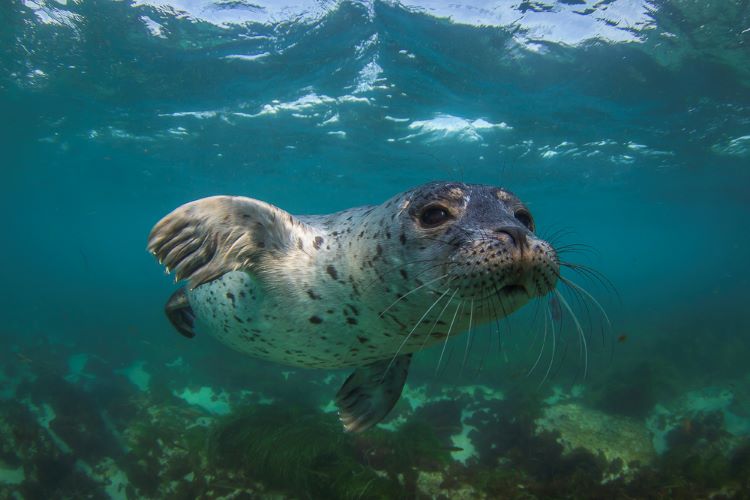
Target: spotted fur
358	286
365	287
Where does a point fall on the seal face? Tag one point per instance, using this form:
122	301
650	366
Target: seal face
365	287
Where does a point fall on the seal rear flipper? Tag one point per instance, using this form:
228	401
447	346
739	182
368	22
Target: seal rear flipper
207	238
180	314
370	392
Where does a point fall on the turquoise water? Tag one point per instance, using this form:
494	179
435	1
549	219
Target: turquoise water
624	125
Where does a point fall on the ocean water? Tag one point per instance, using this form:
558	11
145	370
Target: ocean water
624	125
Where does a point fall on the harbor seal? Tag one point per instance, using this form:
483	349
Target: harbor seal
363	288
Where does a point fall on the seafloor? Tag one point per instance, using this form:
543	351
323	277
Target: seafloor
73	425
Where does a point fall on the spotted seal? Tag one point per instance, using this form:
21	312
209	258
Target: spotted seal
362	288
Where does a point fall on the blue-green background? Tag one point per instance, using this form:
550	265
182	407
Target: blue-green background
94	150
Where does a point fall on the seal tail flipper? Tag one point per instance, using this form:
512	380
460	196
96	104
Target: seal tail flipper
370	392
180	314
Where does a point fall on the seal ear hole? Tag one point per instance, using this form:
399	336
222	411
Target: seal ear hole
434	216
524	217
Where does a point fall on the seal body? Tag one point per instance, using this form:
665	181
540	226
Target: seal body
364	288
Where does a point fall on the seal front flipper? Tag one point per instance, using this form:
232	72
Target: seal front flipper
180	314
207	238
370	392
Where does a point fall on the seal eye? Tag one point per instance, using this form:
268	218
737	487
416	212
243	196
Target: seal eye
524	217
434	216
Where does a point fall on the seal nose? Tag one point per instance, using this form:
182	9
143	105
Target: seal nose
514	235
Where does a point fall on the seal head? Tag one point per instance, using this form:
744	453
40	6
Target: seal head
484	239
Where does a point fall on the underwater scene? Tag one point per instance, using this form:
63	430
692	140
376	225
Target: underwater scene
381	249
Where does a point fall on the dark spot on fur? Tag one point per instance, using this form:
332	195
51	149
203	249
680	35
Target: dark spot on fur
332	271
402	239
230	296
404	274
300	245
395	320
316	320
362	340
351	321
317	242
313	295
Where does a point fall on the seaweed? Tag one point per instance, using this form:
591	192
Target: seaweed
414	446
298	450
633	391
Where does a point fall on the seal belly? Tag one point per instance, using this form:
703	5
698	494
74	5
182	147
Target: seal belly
237	311
228	308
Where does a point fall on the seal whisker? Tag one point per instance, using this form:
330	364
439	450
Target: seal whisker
588	295
495	316
490	304
410	292
502	309
592	274
468	338
450	328
579	297
554	345
544	343
551	236
404	266
434	324
419	321
470	335
581	335
452	244
581	304
538	306
496	320
575	248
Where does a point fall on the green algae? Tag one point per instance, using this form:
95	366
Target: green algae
296	450
413	445
633	390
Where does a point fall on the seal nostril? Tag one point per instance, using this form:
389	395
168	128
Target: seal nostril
507	235
516	235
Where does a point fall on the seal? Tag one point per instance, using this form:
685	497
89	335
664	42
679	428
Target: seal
363	288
